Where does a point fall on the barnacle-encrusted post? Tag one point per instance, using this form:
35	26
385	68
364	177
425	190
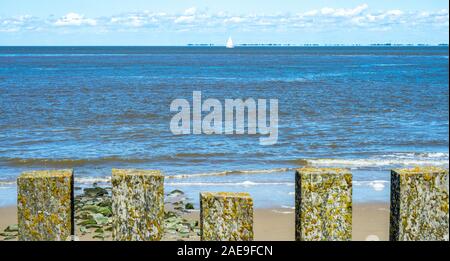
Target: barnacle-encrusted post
137	204
226	216
419	204
45	205
323	204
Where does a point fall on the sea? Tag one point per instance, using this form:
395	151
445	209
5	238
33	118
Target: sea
369	109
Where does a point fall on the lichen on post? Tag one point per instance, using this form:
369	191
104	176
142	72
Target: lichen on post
137	205
323	204
226	216
419	204
45	205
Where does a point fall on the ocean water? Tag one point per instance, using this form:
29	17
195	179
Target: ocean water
94	108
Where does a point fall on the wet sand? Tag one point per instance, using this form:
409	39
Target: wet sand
370	222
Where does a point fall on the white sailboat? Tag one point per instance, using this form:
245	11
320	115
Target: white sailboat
230	43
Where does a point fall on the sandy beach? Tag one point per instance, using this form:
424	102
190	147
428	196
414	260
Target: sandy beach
370	221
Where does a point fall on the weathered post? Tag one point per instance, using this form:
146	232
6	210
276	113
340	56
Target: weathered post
226	216
45	205
323	204
419	204
137	205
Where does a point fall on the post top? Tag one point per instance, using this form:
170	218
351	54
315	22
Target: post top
135	172
310	170
225	194
421	170
47	174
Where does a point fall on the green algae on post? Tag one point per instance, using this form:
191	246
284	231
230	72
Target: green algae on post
137	205
45	205
419	204
323	204
226	216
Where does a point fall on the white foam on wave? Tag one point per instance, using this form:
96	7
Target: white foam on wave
438	159
92	180
241	184
7	183
377	185
288	207
229	172
383	162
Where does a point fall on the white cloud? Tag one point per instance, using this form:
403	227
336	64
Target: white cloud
234	19
74	19
189	16
360	17
341	12
394	12
17	23
132	20
184	19
136	20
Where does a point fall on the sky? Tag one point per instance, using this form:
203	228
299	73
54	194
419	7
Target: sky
170	22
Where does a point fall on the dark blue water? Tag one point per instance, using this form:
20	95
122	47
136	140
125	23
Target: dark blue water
94	108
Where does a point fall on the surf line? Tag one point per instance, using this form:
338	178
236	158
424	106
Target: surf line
261	119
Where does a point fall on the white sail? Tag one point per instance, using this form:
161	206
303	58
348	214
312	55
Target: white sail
230	43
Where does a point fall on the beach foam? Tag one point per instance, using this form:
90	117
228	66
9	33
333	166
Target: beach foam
241	184
230	172
385	162
377	185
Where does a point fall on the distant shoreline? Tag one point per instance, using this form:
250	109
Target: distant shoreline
323	45
239	45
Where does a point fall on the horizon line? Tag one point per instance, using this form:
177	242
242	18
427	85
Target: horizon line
249	45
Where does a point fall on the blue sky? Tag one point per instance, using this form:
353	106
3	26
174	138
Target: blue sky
170	22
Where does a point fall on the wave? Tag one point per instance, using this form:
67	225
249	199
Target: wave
416	154
21	162
92	180
379	164
198	155
285	79
233	184
7	183
299	162
73	162
384	162
81	180
377	185
229	172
